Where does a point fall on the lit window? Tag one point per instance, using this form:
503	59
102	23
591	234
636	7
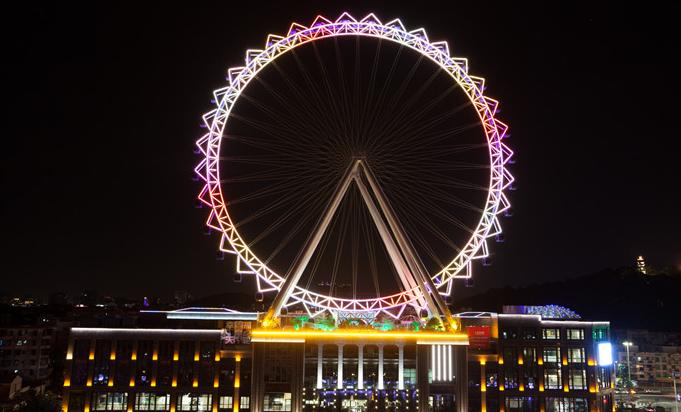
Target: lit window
245	402
225	402
152	402
575	334
552	378
551	355
551	333
577	379
575	355
109	401
277	402
194	402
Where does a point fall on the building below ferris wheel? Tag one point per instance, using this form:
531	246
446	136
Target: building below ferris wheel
215	360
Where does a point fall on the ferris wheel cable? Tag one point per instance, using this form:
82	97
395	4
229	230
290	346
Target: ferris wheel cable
373	114
268	129
270	208
419	192
326	97
320	251
371	89
387	111
436	229
410	121
287	104
301	129
339	247
341	81
311	196
373	267
354	253
405	107
417	189
330	94
300	98
431	142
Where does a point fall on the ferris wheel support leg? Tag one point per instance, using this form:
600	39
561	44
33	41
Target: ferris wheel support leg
414	262
406	275
302	259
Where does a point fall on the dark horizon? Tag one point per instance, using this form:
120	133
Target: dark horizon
103	118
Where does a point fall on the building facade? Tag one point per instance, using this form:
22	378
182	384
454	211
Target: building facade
196	361
651	364
527	363
27	351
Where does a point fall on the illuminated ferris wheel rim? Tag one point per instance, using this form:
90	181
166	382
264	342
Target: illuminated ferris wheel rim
370	26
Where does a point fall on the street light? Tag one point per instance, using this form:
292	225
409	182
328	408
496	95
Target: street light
626	345
676	396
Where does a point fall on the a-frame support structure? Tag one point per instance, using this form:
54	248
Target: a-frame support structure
408	265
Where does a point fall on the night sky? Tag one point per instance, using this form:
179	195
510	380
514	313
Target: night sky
103	107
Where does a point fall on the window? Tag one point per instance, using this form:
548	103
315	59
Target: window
152	402
577	379
276	402
529	355
194	402
550	333
109	401
511	378
575	355
529	333
187	351
551	355
207	350
552	378
510	356
520	403
245	402
509	334
566	405
165	350
225	402
600	333
575	334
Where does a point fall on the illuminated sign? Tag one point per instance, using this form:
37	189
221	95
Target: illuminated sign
604	354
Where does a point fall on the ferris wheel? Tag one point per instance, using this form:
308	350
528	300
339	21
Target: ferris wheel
349	154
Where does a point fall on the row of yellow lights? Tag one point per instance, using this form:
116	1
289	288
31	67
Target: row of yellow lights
195	383
154	357
357	334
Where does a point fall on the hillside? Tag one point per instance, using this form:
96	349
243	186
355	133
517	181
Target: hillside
623	296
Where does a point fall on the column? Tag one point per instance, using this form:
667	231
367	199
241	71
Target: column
258	377
298	376
236	397
320	360
360	366
339	384
461	374
380	367
400	368
422	366
483	386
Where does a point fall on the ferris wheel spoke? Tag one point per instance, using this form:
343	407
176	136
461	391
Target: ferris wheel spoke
417	188
315	109
434	229
420	204
302	128
318	100
336	110
376	108
290	107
